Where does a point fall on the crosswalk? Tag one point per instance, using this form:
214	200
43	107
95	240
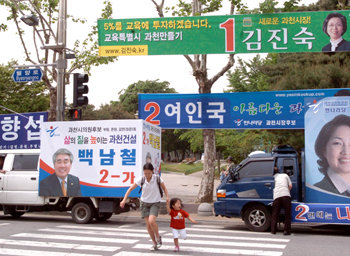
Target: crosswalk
133	239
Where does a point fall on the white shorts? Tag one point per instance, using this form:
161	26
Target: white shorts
179	233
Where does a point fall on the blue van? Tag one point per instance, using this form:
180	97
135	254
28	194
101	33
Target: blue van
247	191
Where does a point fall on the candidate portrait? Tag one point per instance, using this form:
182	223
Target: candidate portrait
61	183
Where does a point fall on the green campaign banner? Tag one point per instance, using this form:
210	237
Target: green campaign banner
249	33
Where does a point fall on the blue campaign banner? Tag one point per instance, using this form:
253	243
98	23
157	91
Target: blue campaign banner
321	213
241	110
21	131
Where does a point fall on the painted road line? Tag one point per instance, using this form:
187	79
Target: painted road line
276	240
223	243
230	231
158	253
69	246
190	249
92	232
18	252
143	230
77	238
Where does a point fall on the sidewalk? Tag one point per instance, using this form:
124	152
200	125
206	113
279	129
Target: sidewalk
186	187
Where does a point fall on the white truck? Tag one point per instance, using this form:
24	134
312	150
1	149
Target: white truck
101	191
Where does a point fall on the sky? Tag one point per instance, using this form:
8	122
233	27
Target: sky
106	81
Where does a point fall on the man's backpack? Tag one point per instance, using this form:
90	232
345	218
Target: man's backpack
158	182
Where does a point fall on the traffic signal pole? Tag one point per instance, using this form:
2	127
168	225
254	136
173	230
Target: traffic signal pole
61	62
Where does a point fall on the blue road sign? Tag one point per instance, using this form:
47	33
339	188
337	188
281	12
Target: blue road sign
27	75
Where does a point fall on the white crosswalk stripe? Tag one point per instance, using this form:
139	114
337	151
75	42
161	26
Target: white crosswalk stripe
59	245
210	251
134	240
4	251
78	238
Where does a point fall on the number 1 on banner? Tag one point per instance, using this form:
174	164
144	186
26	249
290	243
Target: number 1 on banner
229	26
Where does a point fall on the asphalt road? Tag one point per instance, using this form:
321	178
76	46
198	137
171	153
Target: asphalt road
34	234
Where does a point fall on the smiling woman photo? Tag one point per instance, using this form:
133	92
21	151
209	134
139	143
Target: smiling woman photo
335	26
332	146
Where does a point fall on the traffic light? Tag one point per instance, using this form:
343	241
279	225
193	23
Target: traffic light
75	114
79	89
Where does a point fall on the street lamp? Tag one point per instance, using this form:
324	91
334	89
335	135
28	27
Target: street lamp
30	20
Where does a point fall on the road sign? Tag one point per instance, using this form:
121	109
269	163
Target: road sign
27	75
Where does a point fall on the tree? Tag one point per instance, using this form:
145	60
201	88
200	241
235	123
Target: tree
106	111
86	52
198	64
21	97
129	97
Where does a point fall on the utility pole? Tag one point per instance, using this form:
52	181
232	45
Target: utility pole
61	62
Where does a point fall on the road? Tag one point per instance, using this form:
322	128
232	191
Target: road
58	235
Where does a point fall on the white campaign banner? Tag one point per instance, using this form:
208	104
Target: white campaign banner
107	156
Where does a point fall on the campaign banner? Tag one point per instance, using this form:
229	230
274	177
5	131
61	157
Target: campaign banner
321	213
21	131
246	33
241	110
327	151
96	158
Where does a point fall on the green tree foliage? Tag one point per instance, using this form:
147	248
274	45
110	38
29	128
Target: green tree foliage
294	71
86	50
248	76
106	112
171	141
129	97
194	137
21	97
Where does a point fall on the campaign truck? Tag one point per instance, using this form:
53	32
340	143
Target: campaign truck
320	174
84	167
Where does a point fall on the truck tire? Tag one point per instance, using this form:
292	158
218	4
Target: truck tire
257	218
82	213
16	214
103	216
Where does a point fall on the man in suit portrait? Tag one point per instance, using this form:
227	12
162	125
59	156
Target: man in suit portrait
61	183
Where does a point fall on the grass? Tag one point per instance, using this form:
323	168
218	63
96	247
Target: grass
182	167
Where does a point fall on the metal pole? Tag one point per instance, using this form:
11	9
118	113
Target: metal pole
61	62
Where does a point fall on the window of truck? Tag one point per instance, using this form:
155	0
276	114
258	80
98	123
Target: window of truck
288	166
25	163
256	169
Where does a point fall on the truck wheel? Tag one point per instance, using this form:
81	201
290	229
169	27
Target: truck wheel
16	214
257	218
82	213
103	216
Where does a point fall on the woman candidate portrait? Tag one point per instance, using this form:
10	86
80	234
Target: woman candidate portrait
335	26
332	147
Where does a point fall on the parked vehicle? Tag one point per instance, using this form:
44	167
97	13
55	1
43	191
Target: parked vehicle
248	191
19	192
103	157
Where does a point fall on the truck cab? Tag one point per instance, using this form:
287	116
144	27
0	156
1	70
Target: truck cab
247	191
19	191
19	185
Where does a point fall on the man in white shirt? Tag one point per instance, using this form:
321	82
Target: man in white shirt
281	199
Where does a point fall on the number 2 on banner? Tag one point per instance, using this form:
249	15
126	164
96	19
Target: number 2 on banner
229	26
302	209
155	113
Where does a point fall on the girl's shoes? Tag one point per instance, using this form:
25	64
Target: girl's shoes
177	249
159	242
154	248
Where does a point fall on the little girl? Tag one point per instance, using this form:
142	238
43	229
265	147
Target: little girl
178	220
